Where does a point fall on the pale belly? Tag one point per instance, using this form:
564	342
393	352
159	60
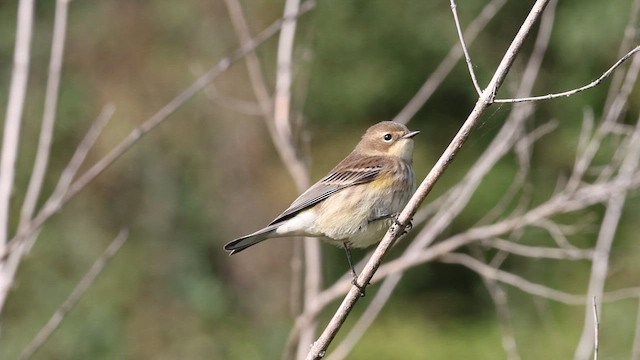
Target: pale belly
360	221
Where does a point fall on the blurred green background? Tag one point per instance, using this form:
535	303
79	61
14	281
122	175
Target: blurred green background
210	174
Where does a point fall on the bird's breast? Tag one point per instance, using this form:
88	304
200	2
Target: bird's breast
352	214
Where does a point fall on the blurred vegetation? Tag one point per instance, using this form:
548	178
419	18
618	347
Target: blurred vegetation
210	174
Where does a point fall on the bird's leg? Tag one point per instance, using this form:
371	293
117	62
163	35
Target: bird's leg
354	275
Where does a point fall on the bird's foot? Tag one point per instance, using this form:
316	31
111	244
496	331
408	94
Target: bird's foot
354	282
407	227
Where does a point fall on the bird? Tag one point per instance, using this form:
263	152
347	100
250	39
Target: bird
357	201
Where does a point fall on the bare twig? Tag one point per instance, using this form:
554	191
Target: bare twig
256	76
238	105
467	57
13	119
448	63
592	84
48	119
512	279
319	347
73	298
282	102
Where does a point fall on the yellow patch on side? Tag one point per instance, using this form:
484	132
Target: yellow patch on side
382	182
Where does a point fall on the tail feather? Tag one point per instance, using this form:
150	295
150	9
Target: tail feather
244	242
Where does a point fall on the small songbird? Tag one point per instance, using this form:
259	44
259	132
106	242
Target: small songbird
358	200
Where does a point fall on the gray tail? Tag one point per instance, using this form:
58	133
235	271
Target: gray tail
244	242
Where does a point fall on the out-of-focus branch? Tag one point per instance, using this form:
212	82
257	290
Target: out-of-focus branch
17	247
256	76
500	302
499	297
521	283
538	252
13	117
73	298
319	348
600	265
48	119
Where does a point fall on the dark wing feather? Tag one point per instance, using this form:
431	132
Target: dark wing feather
348	173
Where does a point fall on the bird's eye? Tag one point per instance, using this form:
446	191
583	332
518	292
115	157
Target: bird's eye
387	137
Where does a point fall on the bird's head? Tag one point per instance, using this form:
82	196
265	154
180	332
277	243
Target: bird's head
388	138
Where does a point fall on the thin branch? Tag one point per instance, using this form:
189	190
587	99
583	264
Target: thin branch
556	234
256	76
69	304
467	57
70	171
282	102
501	304
609	121
13	119
319	348
48	118
87	143
231	103
448	63
592	84
538	252
511	279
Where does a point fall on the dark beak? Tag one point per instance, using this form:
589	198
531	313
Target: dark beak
411	134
